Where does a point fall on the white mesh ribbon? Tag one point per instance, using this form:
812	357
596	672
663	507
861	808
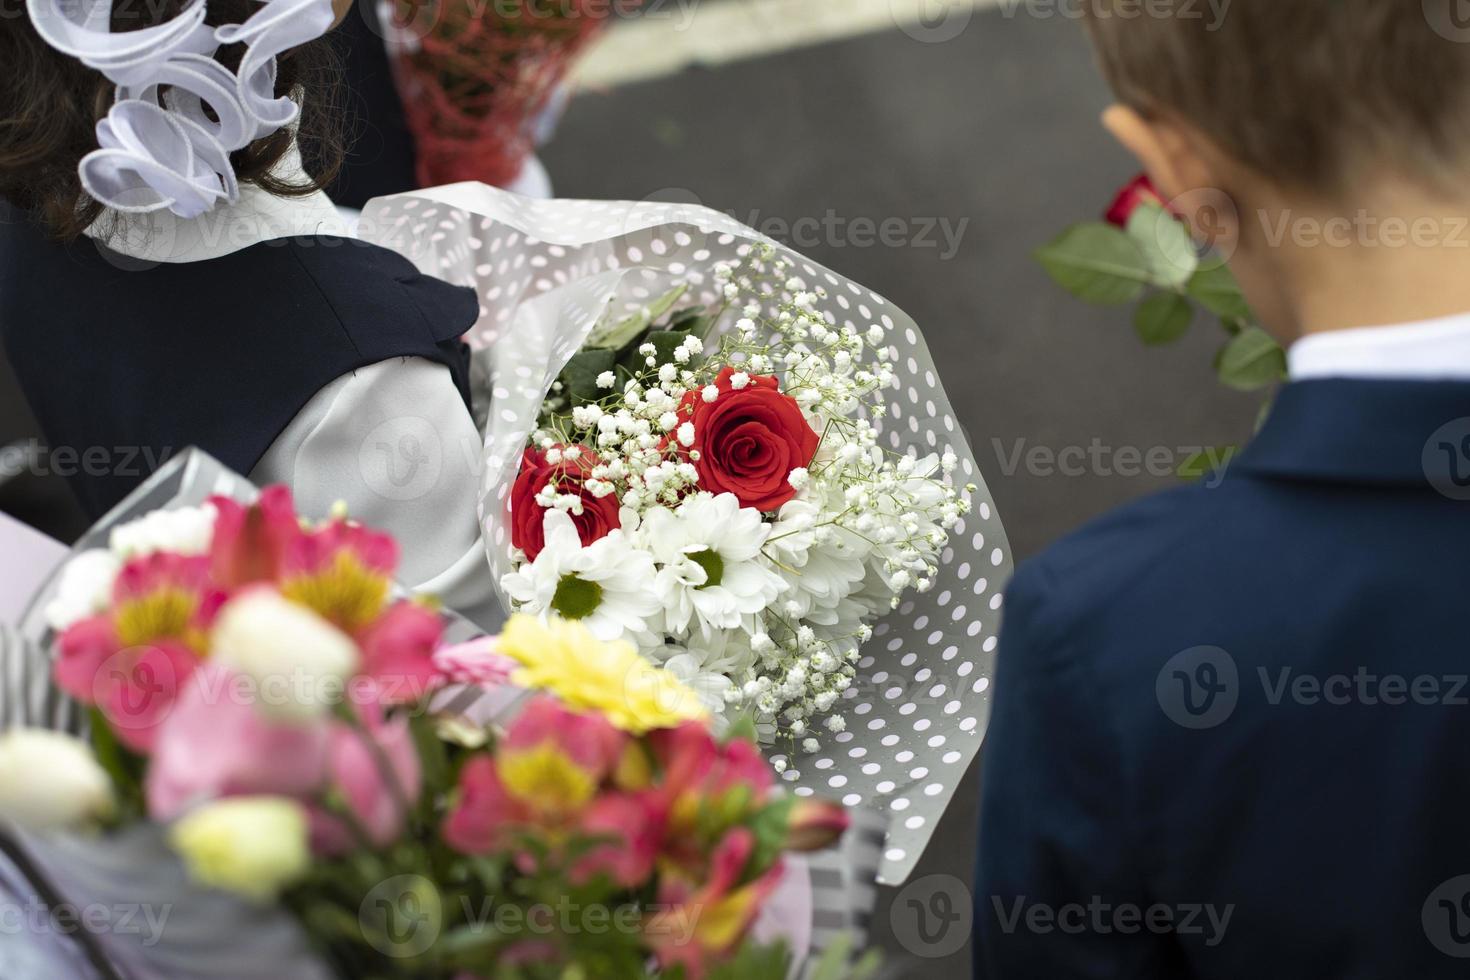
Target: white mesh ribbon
179	114
545	272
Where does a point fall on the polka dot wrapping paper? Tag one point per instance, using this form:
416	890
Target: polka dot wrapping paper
546	272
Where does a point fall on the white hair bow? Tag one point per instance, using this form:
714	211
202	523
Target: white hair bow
179	113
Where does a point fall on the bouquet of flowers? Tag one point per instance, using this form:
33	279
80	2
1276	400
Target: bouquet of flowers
475	77
741	463
309	741
724	504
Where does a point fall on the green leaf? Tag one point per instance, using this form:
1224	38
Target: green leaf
629	330
1165	244
742	729
685	318
1162	318
124	766
1096	263
1215	288
770	827
1251	360
579	377
433	757
664	343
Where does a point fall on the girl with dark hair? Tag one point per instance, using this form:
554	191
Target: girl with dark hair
171	275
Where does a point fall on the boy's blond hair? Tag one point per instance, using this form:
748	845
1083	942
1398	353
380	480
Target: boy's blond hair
1316	94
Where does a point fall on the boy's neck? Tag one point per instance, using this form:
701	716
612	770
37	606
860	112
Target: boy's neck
1405	260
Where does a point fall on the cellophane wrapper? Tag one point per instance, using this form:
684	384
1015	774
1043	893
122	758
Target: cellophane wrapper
475	78
546	272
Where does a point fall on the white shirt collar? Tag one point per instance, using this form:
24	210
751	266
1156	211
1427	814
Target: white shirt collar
258	216
1425	351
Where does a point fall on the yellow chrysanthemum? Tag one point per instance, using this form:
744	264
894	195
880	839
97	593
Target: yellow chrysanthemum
587	674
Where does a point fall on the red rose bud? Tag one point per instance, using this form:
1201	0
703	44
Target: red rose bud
749	439
1138	192
569	475
815	825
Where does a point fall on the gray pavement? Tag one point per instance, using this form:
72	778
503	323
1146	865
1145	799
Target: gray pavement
996	129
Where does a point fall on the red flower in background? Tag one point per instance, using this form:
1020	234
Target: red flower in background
749	439
1136	193
569	474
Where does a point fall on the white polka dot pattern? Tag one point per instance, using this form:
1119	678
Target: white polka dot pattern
545	271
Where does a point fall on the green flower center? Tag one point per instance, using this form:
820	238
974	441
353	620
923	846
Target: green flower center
576	598
713	565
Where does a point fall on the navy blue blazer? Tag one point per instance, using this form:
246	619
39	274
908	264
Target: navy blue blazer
1231	729
125	363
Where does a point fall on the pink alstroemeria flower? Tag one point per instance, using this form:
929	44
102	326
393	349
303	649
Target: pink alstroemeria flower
251	542
701	922
343	571
633	824
703	777
132	661
545	776
398	652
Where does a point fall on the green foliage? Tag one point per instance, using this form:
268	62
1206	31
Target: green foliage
1097	263
124	766
1165	244
1214	287
1250	360
613	346
1155	260
1162	318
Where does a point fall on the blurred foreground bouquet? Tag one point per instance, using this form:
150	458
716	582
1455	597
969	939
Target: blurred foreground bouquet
475	78
309	741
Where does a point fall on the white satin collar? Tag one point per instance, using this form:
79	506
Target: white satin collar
258	216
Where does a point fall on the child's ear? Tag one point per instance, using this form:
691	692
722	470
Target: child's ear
1184	168
1166	149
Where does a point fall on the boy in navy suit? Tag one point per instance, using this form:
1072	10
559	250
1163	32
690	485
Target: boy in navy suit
1231	731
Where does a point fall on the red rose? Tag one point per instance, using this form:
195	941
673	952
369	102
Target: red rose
1138	191
599	514
749	440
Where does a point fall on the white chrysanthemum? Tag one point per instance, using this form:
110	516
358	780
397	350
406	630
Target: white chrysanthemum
821	564
605	585
713	668
183	531
712	575
84	588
